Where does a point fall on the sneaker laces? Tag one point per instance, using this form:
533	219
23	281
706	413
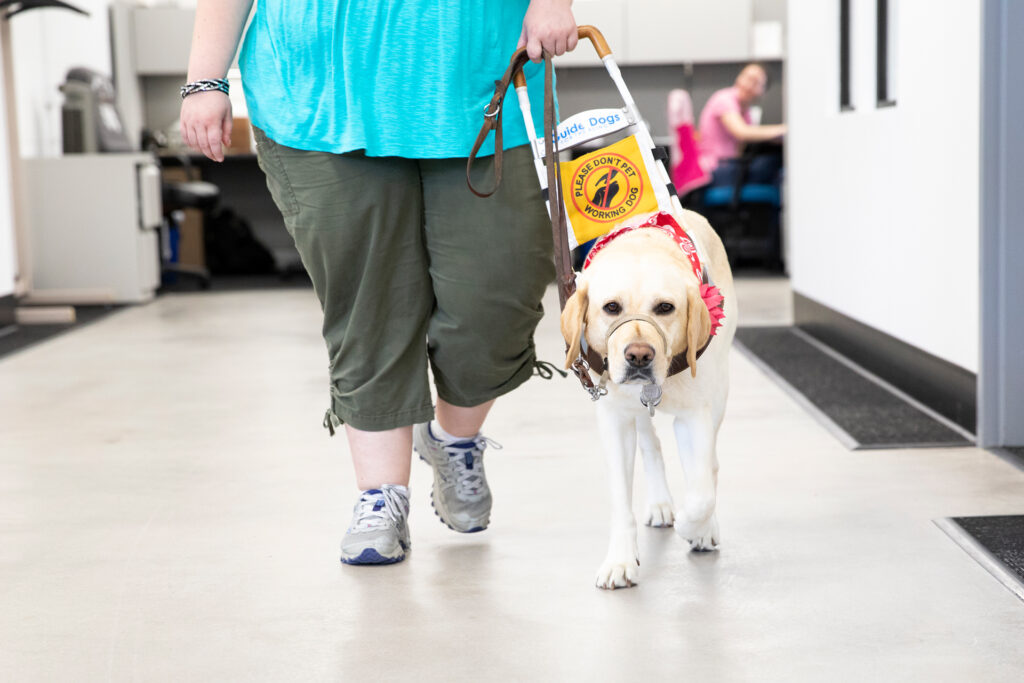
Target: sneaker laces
378	508
466	460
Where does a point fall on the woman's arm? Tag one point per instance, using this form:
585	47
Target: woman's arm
206	116
549	25
744	132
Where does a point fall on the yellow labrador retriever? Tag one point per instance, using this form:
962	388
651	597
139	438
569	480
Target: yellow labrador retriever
639	304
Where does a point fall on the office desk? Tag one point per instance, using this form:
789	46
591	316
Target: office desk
244	190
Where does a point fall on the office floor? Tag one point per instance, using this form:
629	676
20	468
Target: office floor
170	510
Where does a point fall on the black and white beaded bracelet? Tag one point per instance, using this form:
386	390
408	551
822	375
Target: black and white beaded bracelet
204	85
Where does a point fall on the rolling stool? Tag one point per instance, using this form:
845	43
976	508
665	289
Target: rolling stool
178	196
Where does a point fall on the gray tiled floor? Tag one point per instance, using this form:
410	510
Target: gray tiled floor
170	510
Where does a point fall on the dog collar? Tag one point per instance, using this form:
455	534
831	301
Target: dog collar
665	222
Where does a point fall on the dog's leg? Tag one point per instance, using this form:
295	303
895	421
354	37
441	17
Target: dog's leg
618	434
659	500
695	437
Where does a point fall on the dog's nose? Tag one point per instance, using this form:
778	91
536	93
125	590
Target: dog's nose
639	355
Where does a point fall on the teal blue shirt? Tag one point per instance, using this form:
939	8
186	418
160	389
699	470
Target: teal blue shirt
405	78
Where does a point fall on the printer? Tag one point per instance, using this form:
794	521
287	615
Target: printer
89	116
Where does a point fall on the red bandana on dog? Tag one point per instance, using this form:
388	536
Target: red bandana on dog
666	223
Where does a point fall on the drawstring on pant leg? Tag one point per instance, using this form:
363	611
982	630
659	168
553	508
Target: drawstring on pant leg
542	369
331	421
546	370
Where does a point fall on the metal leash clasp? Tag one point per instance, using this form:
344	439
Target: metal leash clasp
581	368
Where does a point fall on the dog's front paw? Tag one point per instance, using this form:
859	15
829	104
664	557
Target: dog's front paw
703	537
659	515
618	574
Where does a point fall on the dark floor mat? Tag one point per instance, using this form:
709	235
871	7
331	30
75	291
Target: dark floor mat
1016	451
870	415
16	337
997	543
1002	537
22	336
1011	454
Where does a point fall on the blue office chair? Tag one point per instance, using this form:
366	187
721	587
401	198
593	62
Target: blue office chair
744	204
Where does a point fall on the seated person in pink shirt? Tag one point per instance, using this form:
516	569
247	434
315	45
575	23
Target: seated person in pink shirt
725	122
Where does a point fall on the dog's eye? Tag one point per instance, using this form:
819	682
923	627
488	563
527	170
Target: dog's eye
664	308
612	307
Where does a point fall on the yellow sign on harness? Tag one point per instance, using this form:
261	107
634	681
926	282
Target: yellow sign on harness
604	188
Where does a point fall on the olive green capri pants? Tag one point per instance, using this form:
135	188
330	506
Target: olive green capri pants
409	265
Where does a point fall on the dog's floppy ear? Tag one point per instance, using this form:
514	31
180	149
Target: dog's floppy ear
698	326
573	317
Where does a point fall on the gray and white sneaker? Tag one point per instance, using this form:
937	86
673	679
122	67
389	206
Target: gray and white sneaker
460	495
379	532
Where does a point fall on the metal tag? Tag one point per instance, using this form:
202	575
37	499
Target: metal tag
650	396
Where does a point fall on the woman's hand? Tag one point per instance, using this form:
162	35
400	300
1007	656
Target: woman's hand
206	123
548	25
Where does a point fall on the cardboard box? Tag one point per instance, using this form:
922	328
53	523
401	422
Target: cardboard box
241	136
191	251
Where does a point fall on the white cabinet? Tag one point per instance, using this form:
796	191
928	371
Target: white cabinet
674	31
609	16
162	39
93	220
666	31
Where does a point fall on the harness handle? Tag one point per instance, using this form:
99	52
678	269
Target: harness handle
565	276
589	32
514	75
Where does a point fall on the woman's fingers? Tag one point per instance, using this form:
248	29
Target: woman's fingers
548	25
203	142
193	141
206	123
533	48
557	43
226	131
213	139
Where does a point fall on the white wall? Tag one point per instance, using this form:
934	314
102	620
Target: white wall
770	10
884	203
7	247
47	42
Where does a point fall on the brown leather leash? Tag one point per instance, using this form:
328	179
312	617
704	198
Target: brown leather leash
565	276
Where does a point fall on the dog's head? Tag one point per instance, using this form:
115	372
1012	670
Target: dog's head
638	304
